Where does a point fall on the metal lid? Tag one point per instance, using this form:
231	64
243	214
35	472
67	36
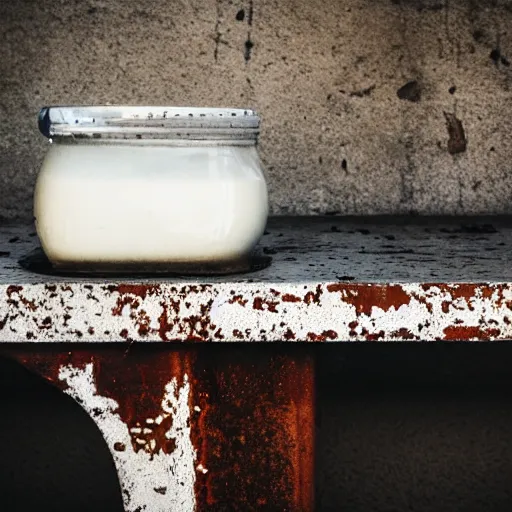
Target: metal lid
127	122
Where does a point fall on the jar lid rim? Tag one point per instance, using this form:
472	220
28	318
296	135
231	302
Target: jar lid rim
112	121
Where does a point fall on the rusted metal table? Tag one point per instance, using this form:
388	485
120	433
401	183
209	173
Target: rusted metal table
192	428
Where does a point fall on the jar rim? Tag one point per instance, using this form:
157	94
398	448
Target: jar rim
148	122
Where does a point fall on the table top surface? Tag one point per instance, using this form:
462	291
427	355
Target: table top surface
331	279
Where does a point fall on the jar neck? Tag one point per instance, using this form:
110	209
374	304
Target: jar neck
151	142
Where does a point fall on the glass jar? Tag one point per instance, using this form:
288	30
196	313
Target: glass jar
149	187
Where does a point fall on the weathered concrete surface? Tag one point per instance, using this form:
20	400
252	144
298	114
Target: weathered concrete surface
331	279
324	75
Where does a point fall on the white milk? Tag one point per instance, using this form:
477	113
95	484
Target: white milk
115	203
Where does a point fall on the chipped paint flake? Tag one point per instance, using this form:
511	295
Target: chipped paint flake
202	469
142	473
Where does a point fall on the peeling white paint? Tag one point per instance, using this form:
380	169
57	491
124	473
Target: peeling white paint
140	473
202	469
42	308
425	316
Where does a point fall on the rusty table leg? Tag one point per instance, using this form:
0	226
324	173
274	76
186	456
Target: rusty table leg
198	427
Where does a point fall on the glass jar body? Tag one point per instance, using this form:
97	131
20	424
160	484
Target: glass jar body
115	204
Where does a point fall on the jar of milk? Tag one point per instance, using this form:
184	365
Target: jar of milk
149	187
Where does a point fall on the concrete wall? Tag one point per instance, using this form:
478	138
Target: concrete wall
325	75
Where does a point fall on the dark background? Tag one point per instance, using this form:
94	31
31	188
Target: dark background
418	427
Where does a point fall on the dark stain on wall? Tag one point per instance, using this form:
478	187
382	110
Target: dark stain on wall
457	142
498	58
410	91
248	49
249	43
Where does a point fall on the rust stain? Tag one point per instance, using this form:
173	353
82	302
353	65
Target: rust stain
119	447
123	301
313	297
4	321
238	334
404	334
352	326
461	333
174	305
252	414
13	289
139	316
256	431
16	291
164	325
373	336
136	382
238	299
131	295
289	335
426	303
288	297
469	292
262	305
324	336
364	297
142	322
195	327
139	290
45	324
